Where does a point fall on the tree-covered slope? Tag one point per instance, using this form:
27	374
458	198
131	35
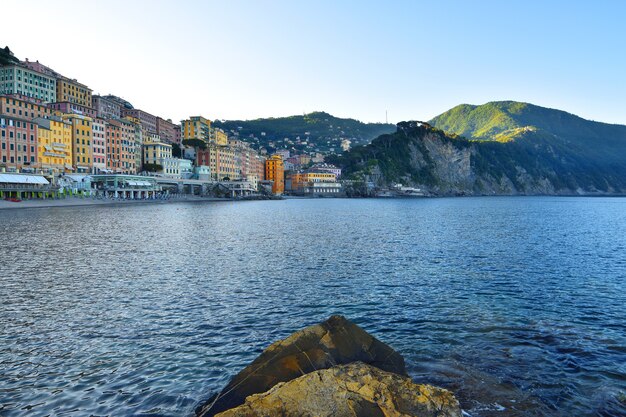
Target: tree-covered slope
6	57
512	148
311	132
509	120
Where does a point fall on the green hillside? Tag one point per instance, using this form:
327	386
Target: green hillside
497	148
6	57
509	120
313	132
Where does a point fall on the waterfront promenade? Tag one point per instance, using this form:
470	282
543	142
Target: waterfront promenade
89	201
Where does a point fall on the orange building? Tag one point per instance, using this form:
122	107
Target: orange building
275	171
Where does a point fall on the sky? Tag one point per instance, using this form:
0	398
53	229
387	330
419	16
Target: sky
411	60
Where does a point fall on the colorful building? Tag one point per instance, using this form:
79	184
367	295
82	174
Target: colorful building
222	160
177	134
147	121
121	147
274	171
18	79
98	145
166	130
177	167
219	137
106	108
54	145
20	106
196	127
68	107
18	144
155	151
139	134
81	142
72	91
313	182
323	167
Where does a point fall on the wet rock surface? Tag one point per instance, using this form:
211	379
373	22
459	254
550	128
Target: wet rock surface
333	342
349	390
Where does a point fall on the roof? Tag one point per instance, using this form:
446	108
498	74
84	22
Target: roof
22	179
77	177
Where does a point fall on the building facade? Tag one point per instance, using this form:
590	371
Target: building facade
155	151
106	108
223	161
18	79
98	145
120	147
166	130
81	142
274	171
196	127
147	121
18	144
67	107
177	168
72	91
23	107
54	145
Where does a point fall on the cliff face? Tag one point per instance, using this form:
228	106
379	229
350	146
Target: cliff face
534	162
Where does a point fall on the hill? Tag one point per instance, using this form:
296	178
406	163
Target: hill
313	132
498	148
7	57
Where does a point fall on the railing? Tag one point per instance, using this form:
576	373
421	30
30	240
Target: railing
28	187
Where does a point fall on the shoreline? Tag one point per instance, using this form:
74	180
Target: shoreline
88	201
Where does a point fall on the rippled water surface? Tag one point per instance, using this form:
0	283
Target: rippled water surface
516	304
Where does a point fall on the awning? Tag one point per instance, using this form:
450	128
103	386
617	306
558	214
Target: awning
22	179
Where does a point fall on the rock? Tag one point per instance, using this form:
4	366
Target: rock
336	341
354	390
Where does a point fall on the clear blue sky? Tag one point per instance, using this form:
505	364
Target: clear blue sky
245	59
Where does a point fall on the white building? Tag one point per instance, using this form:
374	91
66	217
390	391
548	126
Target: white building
177	168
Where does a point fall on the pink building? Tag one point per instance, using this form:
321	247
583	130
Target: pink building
166	130
148	121
18	144
106	108
98	144
177	134
72	108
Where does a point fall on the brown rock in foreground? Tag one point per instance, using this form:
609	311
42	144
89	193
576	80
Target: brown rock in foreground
355	390
336	341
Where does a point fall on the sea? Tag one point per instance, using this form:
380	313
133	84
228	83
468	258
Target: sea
515	304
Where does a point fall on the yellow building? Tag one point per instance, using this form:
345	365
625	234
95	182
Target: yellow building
300	179
155	151
196	127
54	142
275	171
314	183
224	161
73	92
81	141
219	137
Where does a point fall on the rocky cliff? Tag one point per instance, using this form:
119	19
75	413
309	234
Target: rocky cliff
534	163
334	368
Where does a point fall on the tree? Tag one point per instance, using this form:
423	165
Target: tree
152	167
177	152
